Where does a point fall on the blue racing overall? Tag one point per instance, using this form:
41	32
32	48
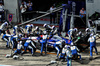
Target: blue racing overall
27	45
2	27
29	28
14	41
92	44
7	38
69	56
15	30
70	34
19	47
74	50
43	43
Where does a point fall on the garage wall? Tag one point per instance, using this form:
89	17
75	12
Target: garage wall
92	6
13	8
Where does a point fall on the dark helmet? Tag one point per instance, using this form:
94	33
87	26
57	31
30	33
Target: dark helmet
63	43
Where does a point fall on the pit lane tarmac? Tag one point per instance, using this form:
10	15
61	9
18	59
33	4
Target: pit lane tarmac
38	60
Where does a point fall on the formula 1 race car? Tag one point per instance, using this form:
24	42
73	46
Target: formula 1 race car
80	41
57	41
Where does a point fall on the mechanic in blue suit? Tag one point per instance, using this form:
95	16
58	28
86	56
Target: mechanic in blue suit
69	55
26	45
14	39
7	38
19	47
29	28
48	28
58	50
66	51
38	31
92	41
75	50
54	30
62	54
43	42
20	30
70	34
2	27
15	29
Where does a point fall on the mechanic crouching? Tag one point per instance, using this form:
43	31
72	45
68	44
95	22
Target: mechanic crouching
62	54
19	47
66	52
7	38
92	41
29	28
30	46
43	42
14	39
2	27
75	51
69	55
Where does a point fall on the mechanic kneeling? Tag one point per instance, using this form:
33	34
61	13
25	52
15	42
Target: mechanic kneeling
29	45
69	55
19	47
74	51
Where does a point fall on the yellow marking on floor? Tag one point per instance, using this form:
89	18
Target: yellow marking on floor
92	52
47	53
39	52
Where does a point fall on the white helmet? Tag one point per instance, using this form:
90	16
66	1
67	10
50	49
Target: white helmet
80	33
44	25
87	29
16	26
6	23
68	47
32	25
37	27
91	34
72	43
53	27
71	29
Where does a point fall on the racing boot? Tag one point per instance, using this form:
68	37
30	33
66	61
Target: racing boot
63	60
57	59
32	54
7	46
2	39
41	54
96	53
81	61
45	53
91	58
